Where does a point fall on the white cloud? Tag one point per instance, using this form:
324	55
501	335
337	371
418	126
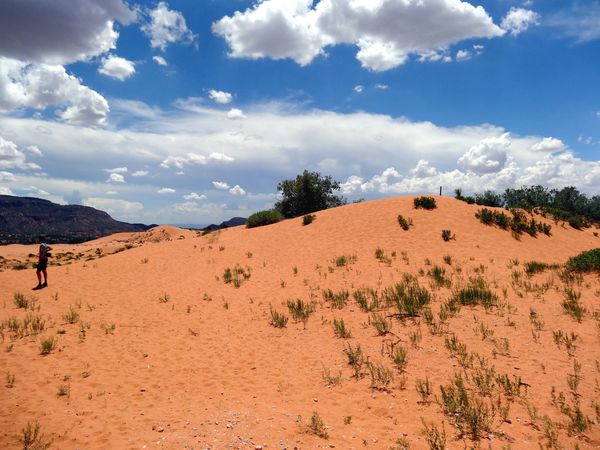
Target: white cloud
489	156
358	89
13	158
192	196
166	27
386	32
5	191
7	176
33	150
115	178
60	31
117	67
122	209
34	190
579	21
548	144
117	170
463	55
235	114
160	60
220	97
194	158
111	192
166	190
381	86
140	173
478	48
237	190
423	170
518	20
38	86
220	185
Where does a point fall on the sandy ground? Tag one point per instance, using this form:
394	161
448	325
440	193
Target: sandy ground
162	353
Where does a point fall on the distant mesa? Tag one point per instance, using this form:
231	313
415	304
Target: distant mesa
23	219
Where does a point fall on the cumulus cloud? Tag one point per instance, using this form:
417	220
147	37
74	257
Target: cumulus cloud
385	32
380	86
518	20
548	144
463	55
166	190
159	60
220	97
59	31
140	173
192	196
115	178
358	89
166	27
5	191
117	67
117	170
237	190
13	158
120	209
38	86
235	114
488	156
193	158
7	176
220	185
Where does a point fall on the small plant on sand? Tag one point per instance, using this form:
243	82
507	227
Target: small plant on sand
356	358
308	219
64	390
448	259
343	261
20	300
300	310
572	304
399	356
71	316
447	235
47	345
108	329
408	297
435	438
362	299
278	320
331	380
415	338
380	323
337	299
533	267
405	223
439	276
227	275
33	439
381	376
164	298
10	380
588	261
424	203
423	389
476	293
340	330
262	218
317	426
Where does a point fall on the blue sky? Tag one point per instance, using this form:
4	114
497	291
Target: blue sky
192	111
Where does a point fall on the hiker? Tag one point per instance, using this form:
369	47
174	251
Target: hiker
43	254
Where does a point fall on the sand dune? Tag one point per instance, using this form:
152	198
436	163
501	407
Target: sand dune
162	353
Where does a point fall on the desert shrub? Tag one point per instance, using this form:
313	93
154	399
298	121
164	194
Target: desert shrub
438	274
307	193
399	356
338	300
380	323
278	320
300	310
355	358
340	329
436	439
404	223
447	235
424	203
572	304
317	427
408	297
343	261
362	296
71	316
423	388
20	300
381	376
485	216
261	218
588	261
308	219
33	439
47	345
476	293
533	267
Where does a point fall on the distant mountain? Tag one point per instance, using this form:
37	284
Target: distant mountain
233	222
24	219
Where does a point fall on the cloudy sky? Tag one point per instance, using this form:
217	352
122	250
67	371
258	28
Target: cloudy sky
191	112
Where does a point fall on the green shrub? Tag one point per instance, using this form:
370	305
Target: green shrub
340	329
381	376
404	223
72	316
476	293
408	297
317	427
33	439
355	358
47	345
278	320
588	261
424	203
20	300
380	323
572	304
400	357
338	300
308	219
262	218
362	299
447	235
300	310
533	267
439	276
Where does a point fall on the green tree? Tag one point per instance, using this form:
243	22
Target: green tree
308	193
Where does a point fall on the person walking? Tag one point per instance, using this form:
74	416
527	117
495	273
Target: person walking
43	254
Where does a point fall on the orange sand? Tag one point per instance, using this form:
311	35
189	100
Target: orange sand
206	370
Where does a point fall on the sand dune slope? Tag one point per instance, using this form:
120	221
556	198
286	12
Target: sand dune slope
162	352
